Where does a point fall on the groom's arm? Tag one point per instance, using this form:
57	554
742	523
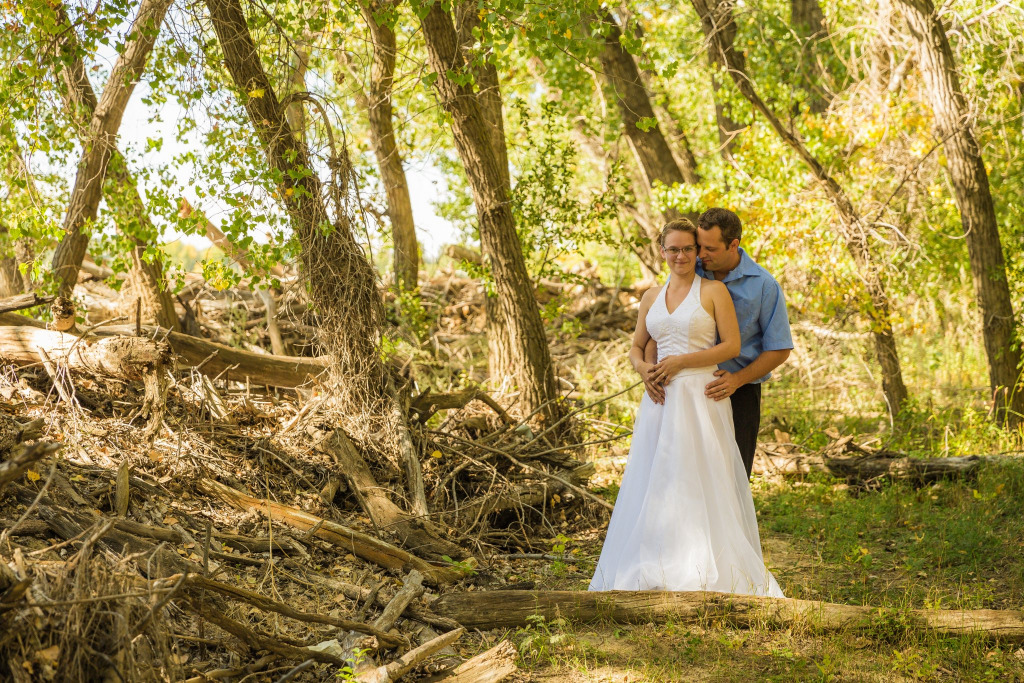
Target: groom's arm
651	351
776	339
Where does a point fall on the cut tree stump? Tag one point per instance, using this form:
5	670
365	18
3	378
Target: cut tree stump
509	609
362	545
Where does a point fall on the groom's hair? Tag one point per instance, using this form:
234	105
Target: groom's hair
727	221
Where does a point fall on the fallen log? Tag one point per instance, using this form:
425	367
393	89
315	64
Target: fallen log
20	302
419	534
491	666
121	357
227	362
393	671
861	469
510	608
220	360
362	545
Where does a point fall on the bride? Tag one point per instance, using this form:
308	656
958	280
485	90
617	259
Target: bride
684	518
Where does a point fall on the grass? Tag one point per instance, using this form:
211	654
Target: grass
951	545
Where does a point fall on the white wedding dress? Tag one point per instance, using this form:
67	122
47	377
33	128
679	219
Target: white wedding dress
684	518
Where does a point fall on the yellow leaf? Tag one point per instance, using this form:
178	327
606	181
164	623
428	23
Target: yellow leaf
256	93
436	454
32	475
289	192
482	13
568	33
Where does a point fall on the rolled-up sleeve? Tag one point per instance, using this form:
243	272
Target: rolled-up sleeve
774	319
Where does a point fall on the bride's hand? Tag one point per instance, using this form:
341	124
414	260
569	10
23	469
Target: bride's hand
667	369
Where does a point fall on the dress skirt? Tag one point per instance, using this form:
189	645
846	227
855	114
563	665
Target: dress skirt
684	519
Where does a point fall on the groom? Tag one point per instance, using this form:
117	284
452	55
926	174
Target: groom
764	326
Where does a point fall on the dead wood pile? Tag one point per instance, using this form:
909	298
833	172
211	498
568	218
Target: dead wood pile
225	527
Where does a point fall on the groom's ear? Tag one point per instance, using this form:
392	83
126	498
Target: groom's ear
735	244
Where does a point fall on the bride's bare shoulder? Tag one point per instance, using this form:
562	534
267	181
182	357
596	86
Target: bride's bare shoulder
650	295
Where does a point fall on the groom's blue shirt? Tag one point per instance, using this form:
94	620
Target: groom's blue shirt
760	310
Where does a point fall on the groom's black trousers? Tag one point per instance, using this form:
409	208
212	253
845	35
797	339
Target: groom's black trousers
746	419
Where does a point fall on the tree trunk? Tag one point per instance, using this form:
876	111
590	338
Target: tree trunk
808	23
953	125
720	31
389	159
147	279
511	609
653	153
522	342
342	282
650	147
501	358
100	140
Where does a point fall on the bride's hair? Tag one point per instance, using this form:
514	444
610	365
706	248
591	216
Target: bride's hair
679	224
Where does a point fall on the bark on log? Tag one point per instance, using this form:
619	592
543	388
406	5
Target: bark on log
393	671
22	301
362	545
492	666
231	363
419	535
118	357
864	469
509	609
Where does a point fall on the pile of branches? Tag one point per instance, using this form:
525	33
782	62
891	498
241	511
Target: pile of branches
175	507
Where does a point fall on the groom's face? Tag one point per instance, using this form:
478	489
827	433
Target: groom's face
715	253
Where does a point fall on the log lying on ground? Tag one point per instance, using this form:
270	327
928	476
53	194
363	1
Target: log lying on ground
492	666
118	357
407	662
508	609
860	469
227	362
231	363
419	534
359	544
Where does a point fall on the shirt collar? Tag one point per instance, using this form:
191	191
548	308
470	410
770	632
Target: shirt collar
745	267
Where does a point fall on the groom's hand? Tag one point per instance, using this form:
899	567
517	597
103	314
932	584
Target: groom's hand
723	387
656	390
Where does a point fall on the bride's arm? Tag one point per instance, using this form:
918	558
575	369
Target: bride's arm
724	313
641	336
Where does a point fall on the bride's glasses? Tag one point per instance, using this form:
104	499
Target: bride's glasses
676	251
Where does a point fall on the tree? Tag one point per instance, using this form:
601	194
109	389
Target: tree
640	124
808	23
100	141
720	30
380	16
518	336
147	277
966	168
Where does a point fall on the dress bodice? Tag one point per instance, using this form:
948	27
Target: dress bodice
688	328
